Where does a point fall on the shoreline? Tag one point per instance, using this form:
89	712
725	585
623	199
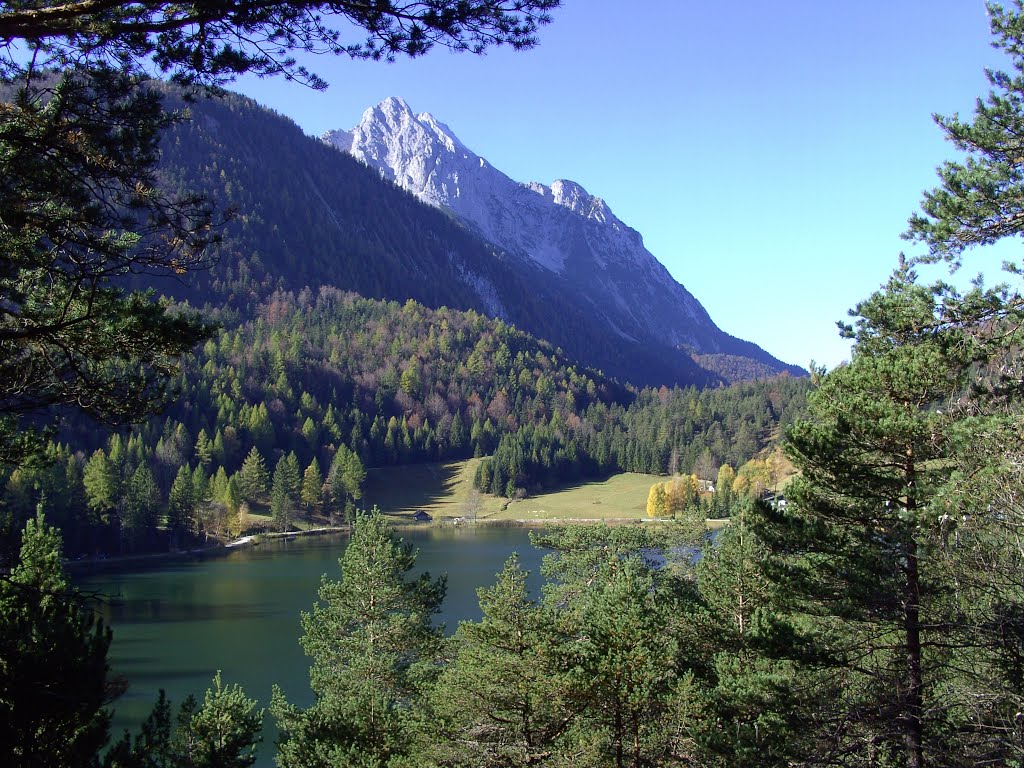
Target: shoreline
98	565
92	566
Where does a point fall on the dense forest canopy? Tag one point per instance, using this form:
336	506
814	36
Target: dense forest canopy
315	376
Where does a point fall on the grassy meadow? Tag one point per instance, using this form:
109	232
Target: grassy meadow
446	490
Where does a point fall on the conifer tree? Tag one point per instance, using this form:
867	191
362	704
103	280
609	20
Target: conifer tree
621	661
292	475
755	704
370	638
53	662
657	505
222	732
254	478
141	505
500	701
858	549
282	505
100	483
204	449
180	505
312	485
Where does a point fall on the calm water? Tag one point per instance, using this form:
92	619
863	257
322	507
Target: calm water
176	625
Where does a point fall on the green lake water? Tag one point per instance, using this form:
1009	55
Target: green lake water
176	624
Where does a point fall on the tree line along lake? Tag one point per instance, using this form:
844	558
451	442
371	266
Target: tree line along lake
176	623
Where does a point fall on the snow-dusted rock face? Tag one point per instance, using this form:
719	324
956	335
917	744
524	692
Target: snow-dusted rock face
561	228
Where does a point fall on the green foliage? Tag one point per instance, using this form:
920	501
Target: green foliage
371	641
980	199
662	431
599	672
312	485
622	662
875	587
54	685
548	421
216	43
222	732
500	699
756	704
181	505
284	493
254	479
80	204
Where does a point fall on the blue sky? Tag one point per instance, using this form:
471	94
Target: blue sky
769	153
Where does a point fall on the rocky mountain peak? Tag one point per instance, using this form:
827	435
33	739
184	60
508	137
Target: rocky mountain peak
560	228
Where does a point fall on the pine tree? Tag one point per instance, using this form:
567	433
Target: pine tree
370	638
100	483
282	506
204	449
141	505
756	704
858	548
621	661
180	506
223	732
292	475
346	477
501	699
53	662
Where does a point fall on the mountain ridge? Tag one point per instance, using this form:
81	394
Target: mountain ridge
561	228
310	215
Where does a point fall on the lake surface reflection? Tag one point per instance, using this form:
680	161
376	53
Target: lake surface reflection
175	625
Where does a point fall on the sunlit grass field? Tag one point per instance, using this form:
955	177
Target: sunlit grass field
445	490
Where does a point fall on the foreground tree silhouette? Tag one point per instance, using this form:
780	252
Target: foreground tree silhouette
54	685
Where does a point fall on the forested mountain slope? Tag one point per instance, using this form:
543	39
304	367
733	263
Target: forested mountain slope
318	376
582	248
307	215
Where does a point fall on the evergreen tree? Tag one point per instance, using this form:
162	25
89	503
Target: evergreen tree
858	548
204	449
54	687
979	200
501	700
180	505
253	478
282	506
621	661
141	505
100	483
291	475
756	704
223	732
200	486
370	638
346	477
